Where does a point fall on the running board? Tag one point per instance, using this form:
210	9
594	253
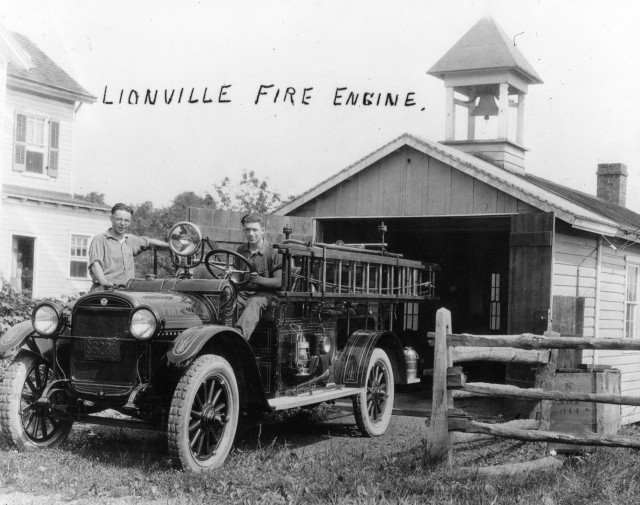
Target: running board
114	422
311	397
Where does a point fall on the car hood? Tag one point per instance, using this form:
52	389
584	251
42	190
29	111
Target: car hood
175	310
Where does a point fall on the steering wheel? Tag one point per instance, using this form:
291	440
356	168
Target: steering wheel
220	263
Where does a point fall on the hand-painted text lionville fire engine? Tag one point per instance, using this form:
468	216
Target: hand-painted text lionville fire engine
265	93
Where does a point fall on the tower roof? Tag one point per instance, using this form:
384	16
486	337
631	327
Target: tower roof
484	47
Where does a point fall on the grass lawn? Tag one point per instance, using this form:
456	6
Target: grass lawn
310	458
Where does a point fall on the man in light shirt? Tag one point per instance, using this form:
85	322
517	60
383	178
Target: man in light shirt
111	253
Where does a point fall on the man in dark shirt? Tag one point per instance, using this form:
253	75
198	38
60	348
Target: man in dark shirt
258	294
111	253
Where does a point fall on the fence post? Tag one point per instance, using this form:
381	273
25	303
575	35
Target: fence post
439	449
543	380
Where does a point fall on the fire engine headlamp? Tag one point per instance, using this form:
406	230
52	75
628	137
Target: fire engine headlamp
184	238
143	323
47	319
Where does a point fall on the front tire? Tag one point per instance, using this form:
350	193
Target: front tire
204	414
29	423
373	406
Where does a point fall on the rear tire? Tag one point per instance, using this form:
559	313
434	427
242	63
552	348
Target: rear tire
373	406
29	424
204	414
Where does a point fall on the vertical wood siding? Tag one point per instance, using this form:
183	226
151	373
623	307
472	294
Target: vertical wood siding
223	227
410	183
530	269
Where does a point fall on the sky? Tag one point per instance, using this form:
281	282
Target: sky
586	112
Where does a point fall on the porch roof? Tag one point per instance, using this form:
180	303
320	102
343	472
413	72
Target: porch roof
50	197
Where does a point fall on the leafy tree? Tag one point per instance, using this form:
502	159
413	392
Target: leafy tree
153	222
250	195
93	197
178	209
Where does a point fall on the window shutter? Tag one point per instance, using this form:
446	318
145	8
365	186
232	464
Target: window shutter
54	135
20	146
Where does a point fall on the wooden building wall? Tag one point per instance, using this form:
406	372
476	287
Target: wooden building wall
576	274
51	227
224	229
55	110
612	316
410	183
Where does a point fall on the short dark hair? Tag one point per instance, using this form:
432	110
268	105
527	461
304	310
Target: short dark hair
122	206
252	217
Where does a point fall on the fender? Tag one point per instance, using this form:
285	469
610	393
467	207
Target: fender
228	343
191	341
351	367
21	335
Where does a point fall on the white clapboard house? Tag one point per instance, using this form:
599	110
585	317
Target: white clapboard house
44	230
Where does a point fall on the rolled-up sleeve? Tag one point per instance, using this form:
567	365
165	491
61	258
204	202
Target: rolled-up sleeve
97	252
138	244
275	261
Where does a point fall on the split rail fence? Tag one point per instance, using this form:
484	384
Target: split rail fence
524	348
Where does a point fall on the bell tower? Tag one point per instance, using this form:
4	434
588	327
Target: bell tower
487	79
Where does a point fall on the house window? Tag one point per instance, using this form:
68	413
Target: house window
631	301
494	300
79	256
411	316
36	143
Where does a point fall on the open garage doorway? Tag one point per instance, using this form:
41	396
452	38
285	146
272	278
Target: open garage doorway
473	281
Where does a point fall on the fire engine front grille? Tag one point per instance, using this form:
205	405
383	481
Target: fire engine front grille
101	323
100	364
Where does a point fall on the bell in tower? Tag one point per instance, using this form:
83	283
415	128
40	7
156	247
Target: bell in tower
486	78
486	106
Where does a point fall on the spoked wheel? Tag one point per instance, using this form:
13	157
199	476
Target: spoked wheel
204	414
27	417
373	406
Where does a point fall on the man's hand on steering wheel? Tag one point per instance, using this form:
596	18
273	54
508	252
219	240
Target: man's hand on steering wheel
221	264
254	277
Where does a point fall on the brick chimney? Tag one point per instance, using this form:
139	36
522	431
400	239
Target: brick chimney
612	183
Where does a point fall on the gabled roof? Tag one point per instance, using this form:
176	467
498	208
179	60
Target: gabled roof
580	210
485	46
44	76
50	197
621	215
12	52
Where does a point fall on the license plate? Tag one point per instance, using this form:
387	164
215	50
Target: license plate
102	350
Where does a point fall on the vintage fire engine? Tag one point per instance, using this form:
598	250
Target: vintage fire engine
165	354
